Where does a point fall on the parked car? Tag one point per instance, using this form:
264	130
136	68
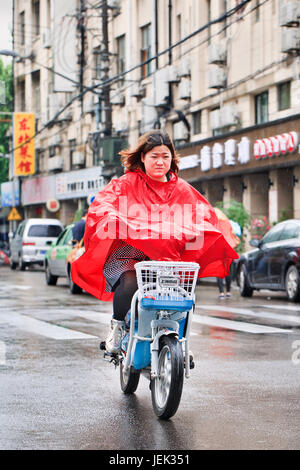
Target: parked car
31	241
58	260
274	263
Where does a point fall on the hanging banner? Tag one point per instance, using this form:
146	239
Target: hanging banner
24	153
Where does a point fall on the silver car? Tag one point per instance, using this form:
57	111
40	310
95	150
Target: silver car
31	241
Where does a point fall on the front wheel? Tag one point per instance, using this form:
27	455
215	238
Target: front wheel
50	279
129	380
292	284
245	288
74	288
166	388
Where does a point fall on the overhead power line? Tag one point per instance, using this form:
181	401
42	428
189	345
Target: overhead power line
104	83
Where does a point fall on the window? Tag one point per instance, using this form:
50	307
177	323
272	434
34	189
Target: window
291	230
273	234
257	10
72	147
284	95
36	92
36	17
22	95
208	21
121	63
51	151
61	237
146	50
262	108
44	231
22	25
196	122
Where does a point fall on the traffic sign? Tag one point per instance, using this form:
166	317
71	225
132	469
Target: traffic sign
14	215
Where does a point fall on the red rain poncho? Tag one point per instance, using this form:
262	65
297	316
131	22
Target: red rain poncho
168	221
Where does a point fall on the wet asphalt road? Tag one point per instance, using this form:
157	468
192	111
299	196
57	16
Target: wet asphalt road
57	391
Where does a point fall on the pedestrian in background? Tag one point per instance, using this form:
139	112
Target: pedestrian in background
79	227
229	230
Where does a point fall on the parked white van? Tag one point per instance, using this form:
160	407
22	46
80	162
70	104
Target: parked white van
31	241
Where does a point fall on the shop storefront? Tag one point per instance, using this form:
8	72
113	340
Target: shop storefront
258	166
61	195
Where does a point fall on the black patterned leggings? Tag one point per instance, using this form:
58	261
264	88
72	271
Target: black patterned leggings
124	290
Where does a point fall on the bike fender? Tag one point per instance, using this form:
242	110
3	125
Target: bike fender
164	332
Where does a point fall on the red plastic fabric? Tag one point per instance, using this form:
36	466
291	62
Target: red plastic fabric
167	221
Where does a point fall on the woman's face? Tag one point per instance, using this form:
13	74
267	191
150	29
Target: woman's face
157	162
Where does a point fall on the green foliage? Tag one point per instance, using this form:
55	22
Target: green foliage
6	77
285	214
236	212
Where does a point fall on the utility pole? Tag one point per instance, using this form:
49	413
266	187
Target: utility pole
105	59
82	62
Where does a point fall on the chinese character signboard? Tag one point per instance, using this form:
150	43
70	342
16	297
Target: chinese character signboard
24	154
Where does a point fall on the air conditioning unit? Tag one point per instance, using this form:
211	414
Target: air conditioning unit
115	6
290	40
217	53
25	51
137	90
161	95
173	75
180	132
78	158
224	117
117	98
184	89
55	163
54	105
217	78
47	39
184	69
149	114
89	104
229	115
215	119
289	13
55	140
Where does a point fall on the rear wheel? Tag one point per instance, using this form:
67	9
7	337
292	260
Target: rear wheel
166	388
292	284
129	380
245	289
74	288
22	265
50	279
12	264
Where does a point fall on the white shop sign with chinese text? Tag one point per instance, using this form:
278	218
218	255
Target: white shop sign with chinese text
79	184
232	152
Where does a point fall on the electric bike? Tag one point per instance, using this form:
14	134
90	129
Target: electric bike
156	333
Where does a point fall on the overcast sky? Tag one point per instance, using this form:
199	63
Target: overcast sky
5	26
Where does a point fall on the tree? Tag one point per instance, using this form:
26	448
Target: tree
235	211
5	121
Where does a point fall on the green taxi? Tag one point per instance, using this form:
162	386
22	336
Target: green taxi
56	264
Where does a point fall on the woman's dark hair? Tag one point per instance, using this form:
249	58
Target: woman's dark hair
131	158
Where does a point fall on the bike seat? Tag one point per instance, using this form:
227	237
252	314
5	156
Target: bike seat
167	304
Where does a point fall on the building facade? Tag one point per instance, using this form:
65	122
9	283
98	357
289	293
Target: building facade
221	76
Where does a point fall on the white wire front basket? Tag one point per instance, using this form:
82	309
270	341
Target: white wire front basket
166	280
